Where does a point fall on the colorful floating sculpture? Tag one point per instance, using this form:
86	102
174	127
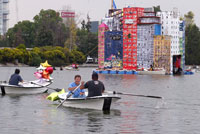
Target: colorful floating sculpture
44	71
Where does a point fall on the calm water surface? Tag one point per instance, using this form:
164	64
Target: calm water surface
178	113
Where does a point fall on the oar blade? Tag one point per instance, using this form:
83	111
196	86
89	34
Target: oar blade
158	97
57	90
129	94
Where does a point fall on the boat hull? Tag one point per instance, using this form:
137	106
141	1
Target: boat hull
11	90
71	69
103	102
151	72
32	87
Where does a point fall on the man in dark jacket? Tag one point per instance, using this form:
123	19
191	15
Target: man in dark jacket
94	86
15	78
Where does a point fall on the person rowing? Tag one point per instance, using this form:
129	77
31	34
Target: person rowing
94	86
15	78
78	93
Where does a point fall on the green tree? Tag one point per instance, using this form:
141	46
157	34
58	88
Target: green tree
21	46
21	33
88	25
78	57
156	9
83	25
87	42
55	57
189	18
19	55
8	55
1	56
35	59
50	29
70	43
44	37
192	47
3	41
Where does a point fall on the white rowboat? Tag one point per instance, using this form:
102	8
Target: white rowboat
103	102
161	72
31	87
71	69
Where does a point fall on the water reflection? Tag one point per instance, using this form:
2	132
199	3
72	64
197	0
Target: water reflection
94	122
128	124
118	82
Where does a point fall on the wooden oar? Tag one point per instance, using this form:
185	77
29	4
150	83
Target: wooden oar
68	96
56	89
129	94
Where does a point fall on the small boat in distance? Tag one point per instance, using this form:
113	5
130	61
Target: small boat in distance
30	87
103	102
73	67
152	72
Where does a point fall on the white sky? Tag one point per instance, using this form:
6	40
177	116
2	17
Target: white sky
97	9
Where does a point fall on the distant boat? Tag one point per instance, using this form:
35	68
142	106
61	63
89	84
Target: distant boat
71	68
31	87
161	72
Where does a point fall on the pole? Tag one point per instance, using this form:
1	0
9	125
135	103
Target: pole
111	4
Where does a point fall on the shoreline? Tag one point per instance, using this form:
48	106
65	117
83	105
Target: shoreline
24	65
14	65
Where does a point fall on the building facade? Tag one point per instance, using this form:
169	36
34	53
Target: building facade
4	12
148	27
170	26
162	52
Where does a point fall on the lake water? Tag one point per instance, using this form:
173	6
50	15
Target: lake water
177	113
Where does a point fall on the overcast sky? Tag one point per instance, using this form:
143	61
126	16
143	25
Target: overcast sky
96	9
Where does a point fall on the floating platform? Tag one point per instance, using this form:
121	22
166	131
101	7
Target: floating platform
188	73
133	72
116	72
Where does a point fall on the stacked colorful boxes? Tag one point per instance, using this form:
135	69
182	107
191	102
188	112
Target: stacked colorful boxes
145	46
134	40
148	26
130	20
113	50
114	21
162	53
101	43
182	43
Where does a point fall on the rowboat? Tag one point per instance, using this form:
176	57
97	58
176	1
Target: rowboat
71	68
147	72
30	87
97	102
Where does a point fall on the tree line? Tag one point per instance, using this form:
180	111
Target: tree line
51	38
192	46
56	55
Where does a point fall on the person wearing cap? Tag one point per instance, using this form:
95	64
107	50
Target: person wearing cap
15	78
94	86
